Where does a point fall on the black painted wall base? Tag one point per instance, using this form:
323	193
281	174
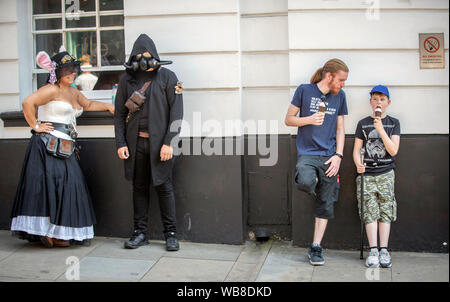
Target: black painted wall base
421	190
208	192
221	198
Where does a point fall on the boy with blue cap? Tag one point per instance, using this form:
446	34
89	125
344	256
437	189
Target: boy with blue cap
379	135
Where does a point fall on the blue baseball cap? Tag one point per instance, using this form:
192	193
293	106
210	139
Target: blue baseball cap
381	89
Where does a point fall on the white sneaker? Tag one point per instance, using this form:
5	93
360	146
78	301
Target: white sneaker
385	259
373	260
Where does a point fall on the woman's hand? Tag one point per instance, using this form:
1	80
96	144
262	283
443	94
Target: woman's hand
111	108
44	127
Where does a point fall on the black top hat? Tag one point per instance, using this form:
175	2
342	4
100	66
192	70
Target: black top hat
65	64
63	59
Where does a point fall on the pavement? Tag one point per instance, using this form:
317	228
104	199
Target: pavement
271	261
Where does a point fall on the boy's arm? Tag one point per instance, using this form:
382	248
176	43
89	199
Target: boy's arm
360	167
391	144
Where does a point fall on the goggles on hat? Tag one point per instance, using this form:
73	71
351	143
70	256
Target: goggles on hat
67	58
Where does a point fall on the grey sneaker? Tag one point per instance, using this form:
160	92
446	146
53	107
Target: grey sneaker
315	255
385	259
373	260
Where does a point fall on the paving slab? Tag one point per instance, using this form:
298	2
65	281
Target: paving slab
113	248
244	272
254	252
9	244
109	269
250	262
207	251
285	263
345	266
34	261
10	279
106	260
169	269
285	273
348	273
285	253
420	267
4	254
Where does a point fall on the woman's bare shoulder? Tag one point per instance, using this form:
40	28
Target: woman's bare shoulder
43	95
48	90
76	94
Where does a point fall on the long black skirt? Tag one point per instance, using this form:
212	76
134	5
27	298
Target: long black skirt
52	197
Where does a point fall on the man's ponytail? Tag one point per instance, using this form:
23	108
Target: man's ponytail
317	77
332	66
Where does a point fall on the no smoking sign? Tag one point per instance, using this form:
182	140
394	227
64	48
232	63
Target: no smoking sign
431	51
432	44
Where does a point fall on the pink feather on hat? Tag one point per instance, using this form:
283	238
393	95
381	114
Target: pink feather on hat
43	60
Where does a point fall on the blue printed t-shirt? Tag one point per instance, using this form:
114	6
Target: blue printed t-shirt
318	140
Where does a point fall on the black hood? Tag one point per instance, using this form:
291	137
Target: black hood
142	44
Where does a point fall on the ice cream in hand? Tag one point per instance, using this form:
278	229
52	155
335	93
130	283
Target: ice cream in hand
322	105
378	112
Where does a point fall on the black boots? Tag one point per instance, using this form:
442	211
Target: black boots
136	241
172	242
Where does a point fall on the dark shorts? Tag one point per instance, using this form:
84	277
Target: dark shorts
310	178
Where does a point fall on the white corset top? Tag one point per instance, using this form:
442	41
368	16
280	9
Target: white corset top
59	111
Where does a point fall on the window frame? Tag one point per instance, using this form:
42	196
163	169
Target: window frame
63	30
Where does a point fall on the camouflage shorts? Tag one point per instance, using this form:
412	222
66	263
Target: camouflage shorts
379	199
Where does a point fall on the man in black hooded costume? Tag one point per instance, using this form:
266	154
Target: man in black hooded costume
145	140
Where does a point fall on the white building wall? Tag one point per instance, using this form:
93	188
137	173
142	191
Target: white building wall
9	58
381	51
202	38
15	58
241	60
265	63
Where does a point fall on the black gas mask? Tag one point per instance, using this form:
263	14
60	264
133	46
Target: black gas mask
144	62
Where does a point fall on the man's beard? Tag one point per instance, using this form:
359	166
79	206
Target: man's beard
335	92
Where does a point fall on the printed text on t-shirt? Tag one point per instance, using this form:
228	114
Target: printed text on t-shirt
314	107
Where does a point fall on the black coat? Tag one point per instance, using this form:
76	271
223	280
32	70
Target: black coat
165	107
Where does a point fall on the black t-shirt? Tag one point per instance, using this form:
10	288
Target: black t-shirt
141	78
376	157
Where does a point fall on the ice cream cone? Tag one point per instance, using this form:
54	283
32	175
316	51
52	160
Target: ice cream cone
378	112
322	107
